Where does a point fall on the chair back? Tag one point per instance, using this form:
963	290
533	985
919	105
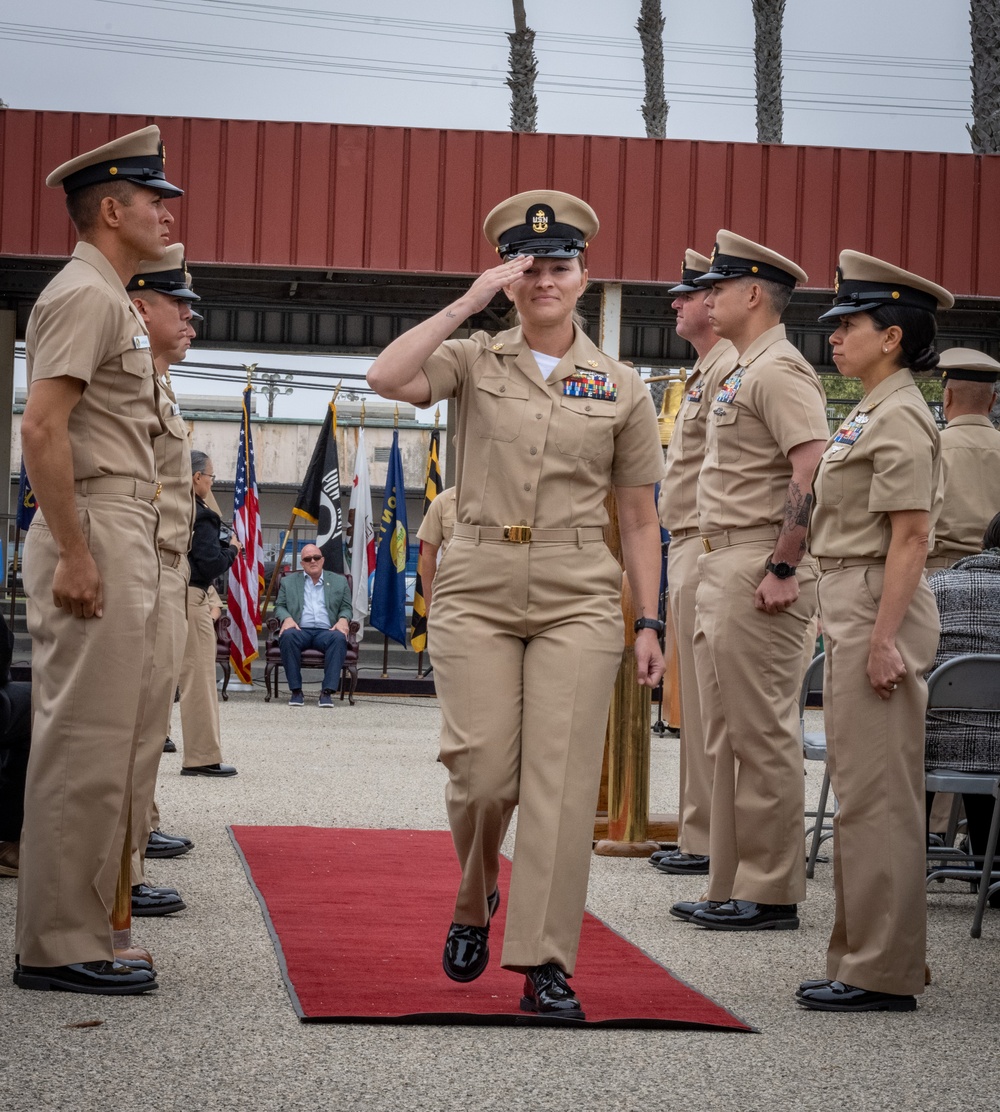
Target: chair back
970	682
812	684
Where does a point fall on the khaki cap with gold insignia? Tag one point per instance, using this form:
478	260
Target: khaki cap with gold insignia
864	282
136	157
693	266
541	222
737	257
169	275
968	365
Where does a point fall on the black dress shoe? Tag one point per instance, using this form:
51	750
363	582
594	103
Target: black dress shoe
661	853
103	978
835	996
683	864
806	985
684	909
169	746
467	948
160	845
546	993
176	838
209	770
745	915
147	900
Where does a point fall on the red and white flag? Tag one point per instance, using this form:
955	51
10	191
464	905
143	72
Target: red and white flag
361	535
246	576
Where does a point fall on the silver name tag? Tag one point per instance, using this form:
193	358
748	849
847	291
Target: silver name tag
140	343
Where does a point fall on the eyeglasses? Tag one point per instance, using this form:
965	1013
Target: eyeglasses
310	559
207	475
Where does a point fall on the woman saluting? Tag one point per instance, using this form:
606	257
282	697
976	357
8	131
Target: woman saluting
526	630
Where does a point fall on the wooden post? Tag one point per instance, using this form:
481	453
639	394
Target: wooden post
121	912
628	829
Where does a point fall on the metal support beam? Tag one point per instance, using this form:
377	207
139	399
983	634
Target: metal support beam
611	319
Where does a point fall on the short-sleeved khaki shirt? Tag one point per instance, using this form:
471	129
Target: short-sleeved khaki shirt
439	521
536	452
84	326
970	483
886	456
172	449
679	491
770	402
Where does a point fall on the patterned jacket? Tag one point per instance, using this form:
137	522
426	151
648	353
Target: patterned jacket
968	599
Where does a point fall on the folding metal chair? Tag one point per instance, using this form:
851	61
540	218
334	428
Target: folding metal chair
814	749
970	684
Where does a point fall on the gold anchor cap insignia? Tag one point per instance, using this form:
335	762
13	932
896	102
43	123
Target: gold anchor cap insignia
540	221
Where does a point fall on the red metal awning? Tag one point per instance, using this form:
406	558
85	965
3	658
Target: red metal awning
410	200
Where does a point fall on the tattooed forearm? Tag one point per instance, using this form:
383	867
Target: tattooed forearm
797	507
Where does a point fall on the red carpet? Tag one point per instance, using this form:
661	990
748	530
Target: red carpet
358	919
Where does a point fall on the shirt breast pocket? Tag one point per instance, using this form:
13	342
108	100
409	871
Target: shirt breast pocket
828	485
500	405
586	427
725	420
132	383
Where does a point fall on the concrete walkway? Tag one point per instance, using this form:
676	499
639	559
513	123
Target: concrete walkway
220	1032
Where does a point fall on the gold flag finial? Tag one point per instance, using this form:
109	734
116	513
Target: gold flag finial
249	368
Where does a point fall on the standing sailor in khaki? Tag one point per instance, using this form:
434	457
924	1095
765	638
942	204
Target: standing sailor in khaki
162	294
90	566
756	590
679	513
526	625
970	456
877	498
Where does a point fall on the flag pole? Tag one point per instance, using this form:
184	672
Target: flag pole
385	636
13	578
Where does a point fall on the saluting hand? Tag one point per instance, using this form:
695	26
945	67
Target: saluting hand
490	282
76	586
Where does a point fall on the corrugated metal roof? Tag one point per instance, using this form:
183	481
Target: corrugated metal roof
408	200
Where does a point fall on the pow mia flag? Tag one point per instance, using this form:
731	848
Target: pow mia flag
318	499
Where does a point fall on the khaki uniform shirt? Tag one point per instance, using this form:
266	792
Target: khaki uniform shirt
886	456
678	505
84	326
439	521
771	402
172	449
531	451
970	482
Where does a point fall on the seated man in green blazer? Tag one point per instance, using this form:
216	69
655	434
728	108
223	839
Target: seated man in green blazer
315	612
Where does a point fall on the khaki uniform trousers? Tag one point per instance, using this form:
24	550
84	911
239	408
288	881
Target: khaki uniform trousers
202	735
875	754
89	683
168	651
750	667
527	644
696	768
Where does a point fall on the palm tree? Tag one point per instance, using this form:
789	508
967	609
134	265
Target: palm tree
984	22
655	106
767	17
523	71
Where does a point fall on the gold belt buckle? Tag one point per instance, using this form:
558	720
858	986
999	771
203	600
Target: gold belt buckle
159	489
517	534
706	544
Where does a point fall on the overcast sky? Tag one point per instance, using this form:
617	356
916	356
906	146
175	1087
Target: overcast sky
863	73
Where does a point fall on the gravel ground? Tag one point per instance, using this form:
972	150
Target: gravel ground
220	1032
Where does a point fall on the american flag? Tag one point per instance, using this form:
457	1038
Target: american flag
246	576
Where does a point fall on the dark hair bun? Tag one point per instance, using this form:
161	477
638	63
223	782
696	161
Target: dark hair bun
925	360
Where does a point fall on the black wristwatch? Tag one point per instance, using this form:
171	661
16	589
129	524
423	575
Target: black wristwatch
649	623
782	571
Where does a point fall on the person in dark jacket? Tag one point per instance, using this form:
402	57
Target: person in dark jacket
209	558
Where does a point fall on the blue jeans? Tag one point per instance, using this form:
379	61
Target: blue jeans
331	642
